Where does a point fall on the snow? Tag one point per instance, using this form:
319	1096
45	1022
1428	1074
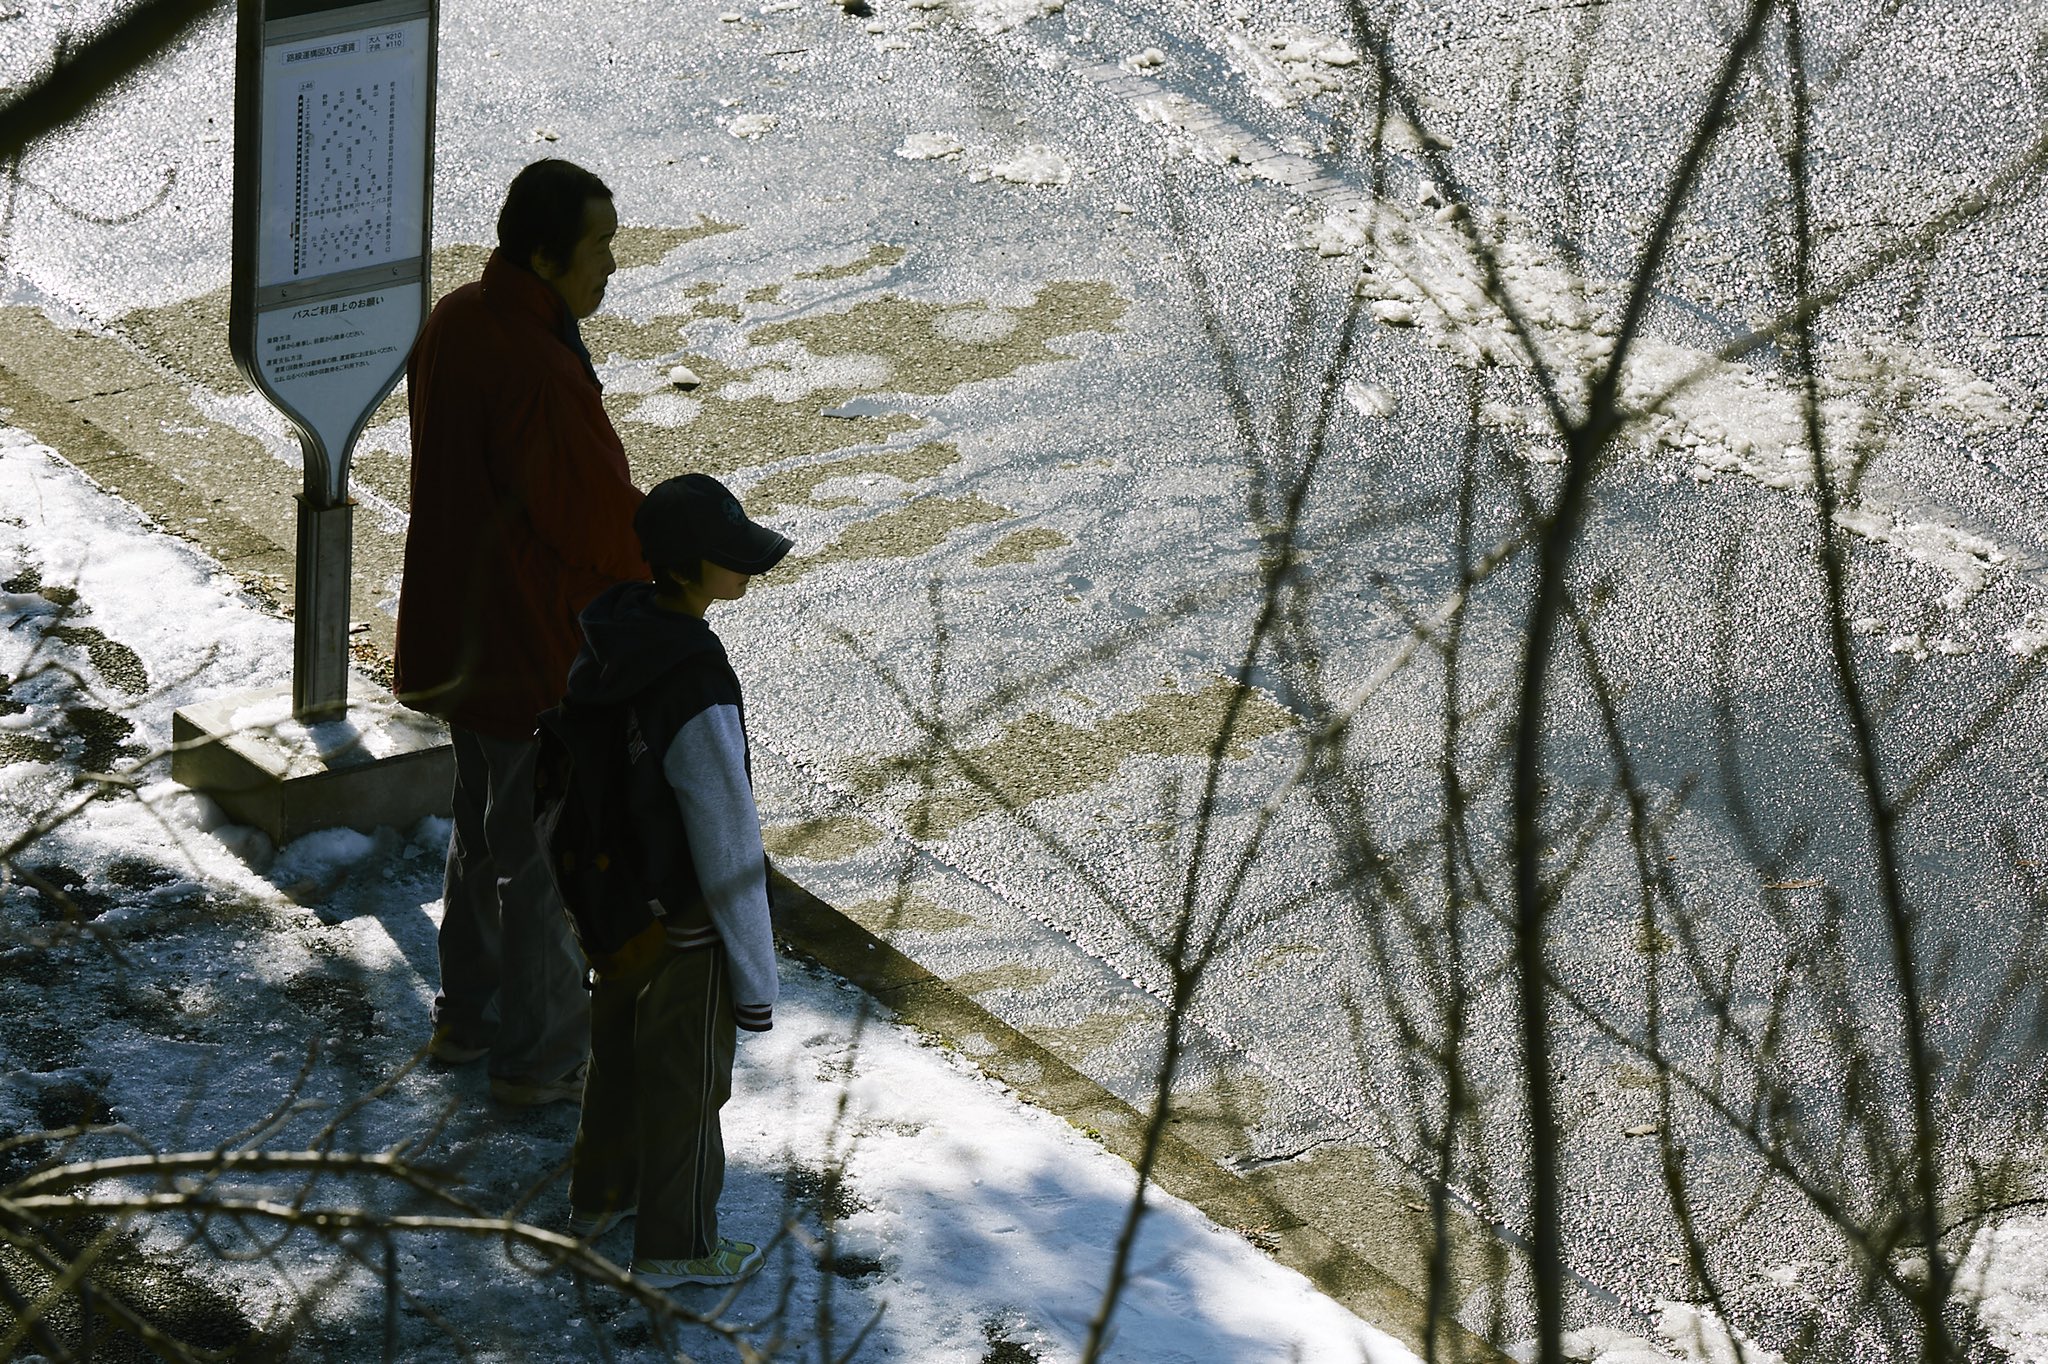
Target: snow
930	147
1720	417
1214	139
968	1217
1286	67
1000	16
1369	400
1034	165
76	537
1682	1331
367	728
792	373
749	126
1702	1336
2006	1270
2029	637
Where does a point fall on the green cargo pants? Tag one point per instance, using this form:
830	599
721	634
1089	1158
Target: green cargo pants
661	1054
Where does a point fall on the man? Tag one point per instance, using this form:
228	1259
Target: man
664	1025
522	511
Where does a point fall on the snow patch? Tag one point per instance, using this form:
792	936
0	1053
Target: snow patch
800	374
930	147
991	17
1037	165
666	409
2029	637
319	855
53	518
1913	646
1920	381
2006	1271
367	728
1368	400
1703	1337
1295	64
1216	141
750	126
1605	1345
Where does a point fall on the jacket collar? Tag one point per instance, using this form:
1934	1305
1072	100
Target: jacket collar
517	290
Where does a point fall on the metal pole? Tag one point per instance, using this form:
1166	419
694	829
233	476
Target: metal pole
320	617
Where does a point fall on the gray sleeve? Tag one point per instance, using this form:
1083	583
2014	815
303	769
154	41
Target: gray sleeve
706	763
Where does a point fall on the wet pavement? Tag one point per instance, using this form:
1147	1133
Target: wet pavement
968	288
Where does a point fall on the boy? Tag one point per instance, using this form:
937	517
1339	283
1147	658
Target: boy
662	1028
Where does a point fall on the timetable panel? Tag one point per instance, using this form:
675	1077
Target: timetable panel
342	160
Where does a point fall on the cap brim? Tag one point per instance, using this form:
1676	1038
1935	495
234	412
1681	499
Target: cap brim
759	550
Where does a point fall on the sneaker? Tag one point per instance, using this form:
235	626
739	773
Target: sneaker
533	1093
589	1226
445	1045
731	1262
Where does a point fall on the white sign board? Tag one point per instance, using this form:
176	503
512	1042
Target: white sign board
343	151
327	359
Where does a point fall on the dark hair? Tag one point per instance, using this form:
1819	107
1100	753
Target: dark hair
544	209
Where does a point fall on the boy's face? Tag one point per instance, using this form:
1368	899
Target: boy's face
722	584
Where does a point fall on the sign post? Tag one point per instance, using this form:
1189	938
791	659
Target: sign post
334	117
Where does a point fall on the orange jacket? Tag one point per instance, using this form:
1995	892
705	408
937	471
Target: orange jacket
522	506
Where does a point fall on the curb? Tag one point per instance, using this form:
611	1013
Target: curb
1285	1227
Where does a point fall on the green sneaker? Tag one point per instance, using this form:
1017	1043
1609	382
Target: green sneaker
731	1262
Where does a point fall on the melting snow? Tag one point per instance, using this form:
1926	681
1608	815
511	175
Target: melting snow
929	147
1035	165
1000	16
1284	68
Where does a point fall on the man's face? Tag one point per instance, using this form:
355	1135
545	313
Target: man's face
580	279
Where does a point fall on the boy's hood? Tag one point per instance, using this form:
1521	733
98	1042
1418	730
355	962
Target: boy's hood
629	641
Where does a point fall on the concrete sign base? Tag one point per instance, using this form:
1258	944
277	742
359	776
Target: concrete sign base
382	765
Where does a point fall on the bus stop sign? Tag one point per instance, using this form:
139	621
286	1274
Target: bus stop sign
333	188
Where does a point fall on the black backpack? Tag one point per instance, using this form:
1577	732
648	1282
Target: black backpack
593	780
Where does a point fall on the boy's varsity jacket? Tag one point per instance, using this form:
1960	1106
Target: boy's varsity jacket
709	873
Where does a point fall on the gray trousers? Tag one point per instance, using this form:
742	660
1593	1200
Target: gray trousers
661	1053
511	974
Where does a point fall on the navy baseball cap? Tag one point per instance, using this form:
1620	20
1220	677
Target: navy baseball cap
696	517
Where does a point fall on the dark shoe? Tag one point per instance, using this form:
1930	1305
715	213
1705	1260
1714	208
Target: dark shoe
588	1226
533	1093
447	1045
